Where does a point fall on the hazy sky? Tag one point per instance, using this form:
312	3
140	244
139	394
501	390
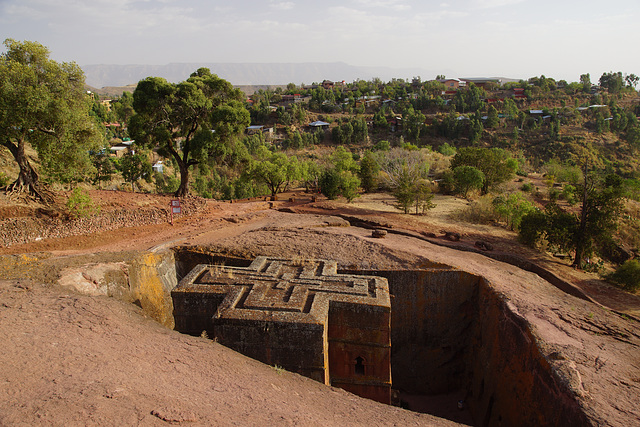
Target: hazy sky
470	38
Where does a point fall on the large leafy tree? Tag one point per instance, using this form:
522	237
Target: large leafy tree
341	176
602	202
276	170
613	82
188	120
43	104
495	163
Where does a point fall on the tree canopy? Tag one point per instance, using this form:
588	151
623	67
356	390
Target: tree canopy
187	120
276	170
601	197
43	103
495	163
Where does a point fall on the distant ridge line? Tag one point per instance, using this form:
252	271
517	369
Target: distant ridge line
102	75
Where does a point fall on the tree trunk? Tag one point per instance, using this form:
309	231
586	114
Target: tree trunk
183	189
28	179
581	235
581	238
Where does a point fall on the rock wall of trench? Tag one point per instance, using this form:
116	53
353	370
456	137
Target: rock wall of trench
451	331
510	381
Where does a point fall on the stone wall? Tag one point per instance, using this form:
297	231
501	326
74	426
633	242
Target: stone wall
19	230
16	231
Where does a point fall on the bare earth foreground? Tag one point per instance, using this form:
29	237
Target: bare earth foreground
74	359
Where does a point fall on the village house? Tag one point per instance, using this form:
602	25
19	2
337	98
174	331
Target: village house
295	98
256	129
122	148
319	124
483	82
452	84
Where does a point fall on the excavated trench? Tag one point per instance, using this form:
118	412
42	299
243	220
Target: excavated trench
454	339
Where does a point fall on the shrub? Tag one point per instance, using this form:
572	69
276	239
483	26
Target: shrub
382	146
330	183
480	211
627	275
446	149
527	187
512	209
4	180
80	204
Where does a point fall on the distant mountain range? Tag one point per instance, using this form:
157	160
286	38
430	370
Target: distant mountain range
103	75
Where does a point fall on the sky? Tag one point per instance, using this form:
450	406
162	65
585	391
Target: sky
460	38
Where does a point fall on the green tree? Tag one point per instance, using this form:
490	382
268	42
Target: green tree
601	199
340	178
349	185
329	183
423	196
134	167
44	104
123	107
475	128
585	81
310	174
555	226
380	121
495	163
467	178
405	174
602	203
632	80
611	81
512	209
276	170
188	120
412	124
342	159
469	99
510	109
492	118
104	167
369	170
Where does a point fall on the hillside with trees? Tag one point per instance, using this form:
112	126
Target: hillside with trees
555	161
